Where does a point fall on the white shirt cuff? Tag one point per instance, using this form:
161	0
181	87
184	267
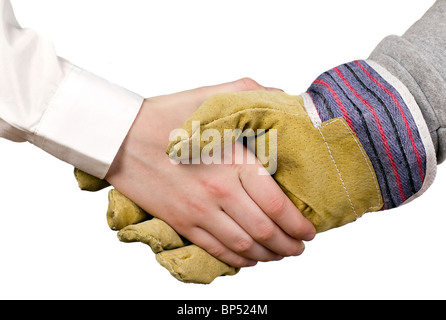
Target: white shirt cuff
87	121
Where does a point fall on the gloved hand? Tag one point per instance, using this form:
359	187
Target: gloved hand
355	142
185	261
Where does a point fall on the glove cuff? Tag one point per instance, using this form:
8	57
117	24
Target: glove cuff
382	113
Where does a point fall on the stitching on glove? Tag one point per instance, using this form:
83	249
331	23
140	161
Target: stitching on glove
337	168
378	190
383	123
372	172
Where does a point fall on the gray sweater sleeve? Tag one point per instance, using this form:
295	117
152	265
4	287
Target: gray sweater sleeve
418	59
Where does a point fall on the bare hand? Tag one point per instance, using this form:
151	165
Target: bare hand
229	210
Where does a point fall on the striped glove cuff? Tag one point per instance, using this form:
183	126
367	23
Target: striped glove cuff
387	121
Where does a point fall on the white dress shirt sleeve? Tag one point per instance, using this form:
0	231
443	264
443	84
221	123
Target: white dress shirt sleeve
72	114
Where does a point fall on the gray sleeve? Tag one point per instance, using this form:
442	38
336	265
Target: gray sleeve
418	59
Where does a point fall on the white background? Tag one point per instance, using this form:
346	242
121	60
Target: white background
54	240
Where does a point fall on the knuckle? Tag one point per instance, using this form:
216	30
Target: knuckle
243	245
247	84
217	252
221	253
244	171
239	262
178	224
276	206
265	231
216	188
196	208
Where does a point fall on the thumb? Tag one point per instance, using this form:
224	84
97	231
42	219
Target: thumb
223	117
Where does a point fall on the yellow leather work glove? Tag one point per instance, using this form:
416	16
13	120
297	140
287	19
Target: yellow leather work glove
355	142
185	261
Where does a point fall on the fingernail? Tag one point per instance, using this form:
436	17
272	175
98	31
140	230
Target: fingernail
309	237
301	251
251	263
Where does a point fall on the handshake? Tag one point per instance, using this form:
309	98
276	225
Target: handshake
355	142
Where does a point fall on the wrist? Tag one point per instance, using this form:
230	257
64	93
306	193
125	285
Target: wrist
387	121
86	121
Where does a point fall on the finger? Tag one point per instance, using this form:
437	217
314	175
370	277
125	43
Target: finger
274	203
246	212
235	238
217	249
261	228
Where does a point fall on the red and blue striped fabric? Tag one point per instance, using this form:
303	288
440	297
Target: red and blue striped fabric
381	120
